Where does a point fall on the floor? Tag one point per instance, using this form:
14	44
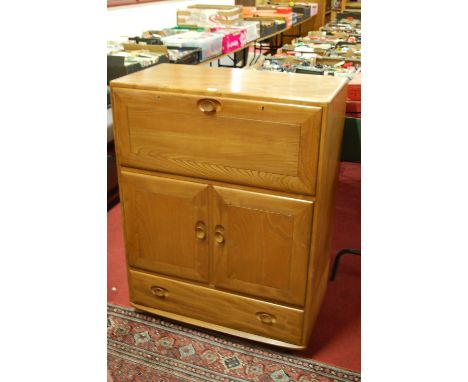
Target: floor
336	339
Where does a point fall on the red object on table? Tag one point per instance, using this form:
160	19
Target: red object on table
233	38
353	106
354	88
284	10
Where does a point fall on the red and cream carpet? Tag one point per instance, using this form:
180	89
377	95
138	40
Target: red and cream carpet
164	353
142	348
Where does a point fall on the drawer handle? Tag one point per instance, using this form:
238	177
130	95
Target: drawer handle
266	318
200	230
219	234
209	105
159	292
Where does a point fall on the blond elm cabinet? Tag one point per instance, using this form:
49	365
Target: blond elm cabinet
227	180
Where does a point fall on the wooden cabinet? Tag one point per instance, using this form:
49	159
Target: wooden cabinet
227	179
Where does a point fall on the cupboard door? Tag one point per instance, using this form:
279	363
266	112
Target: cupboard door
166	225
261	244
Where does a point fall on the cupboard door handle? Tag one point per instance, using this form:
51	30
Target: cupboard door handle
209	105
200	230
219	234
159	292
266	318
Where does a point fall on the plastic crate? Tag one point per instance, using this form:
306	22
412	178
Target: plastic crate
117	67
211	44
267	28
304	9
252	29
184	55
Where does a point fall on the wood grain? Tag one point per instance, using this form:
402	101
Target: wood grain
161	217
266	248
283	194
330	153
217	307
218	328
242	84
253	143
227	203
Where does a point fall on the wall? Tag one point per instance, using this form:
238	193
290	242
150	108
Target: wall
132	20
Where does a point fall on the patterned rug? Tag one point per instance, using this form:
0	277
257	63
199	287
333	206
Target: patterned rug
143	348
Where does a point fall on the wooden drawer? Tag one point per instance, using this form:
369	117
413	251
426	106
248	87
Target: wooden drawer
256	143
220	308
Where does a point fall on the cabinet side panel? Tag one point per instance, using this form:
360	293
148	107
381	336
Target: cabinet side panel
116	117
329	164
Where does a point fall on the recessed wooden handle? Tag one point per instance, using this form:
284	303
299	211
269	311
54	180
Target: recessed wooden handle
266	318
208	105
159	291
200	230
219	234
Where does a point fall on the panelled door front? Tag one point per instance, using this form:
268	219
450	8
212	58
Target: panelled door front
264	144
166	223
261	244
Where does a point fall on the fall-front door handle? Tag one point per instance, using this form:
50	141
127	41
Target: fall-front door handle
209	106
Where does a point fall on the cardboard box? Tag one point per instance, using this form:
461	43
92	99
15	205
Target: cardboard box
305	10
336	36
233	39
252	29
118	65
209	15
151	48
248	11
268	25
272	15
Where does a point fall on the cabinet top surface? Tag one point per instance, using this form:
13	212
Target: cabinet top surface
250	84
